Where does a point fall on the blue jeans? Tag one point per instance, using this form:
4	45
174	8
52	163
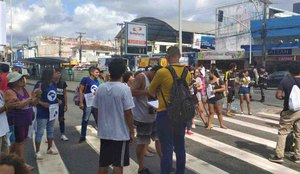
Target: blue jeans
171	136
43	124
87	111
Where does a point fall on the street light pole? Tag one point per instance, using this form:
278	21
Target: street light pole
11	36
180	25
121	38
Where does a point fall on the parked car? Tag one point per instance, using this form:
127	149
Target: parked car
275	78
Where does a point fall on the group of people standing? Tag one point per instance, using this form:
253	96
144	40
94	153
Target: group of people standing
21	110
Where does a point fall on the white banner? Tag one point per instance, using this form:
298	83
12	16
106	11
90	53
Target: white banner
136	34
2	23
197	41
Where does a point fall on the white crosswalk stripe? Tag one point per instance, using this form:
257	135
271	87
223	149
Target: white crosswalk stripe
258	118
196	165
94	142
194	162
269	114
251	125
244	136
242	155
52	163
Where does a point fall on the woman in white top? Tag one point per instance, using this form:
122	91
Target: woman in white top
244	92
4	128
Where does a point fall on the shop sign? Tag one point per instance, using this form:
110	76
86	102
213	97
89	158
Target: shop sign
280	52
144	62
154	62
221	55
201	41
136	38
163	62
136	34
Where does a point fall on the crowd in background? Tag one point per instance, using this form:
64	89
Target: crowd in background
48	102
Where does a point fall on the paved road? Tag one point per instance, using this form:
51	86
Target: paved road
243	148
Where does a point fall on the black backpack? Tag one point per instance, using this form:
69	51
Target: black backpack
182	104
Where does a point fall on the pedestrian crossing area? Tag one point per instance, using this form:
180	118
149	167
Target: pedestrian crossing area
242	148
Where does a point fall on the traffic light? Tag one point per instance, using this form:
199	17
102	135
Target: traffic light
220	15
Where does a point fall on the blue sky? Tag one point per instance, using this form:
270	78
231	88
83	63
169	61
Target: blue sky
98	18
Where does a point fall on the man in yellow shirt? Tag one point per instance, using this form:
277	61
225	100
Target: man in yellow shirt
171	135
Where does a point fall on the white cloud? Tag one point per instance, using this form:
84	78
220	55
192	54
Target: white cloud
50	19
98	18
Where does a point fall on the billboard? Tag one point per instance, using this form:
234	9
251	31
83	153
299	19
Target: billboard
202	41
2	23
136	38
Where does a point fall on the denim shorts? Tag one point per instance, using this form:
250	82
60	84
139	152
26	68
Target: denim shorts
244	90
145	132
43	124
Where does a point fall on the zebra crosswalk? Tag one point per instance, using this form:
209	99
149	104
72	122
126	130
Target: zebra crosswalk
242	148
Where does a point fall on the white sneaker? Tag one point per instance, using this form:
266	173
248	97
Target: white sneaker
193	126
38	156
64	138
51	151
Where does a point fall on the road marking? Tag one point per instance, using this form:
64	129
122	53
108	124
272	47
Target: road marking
196	165
244	136
251	125
93	140
258	118
269	114
250	158
52	163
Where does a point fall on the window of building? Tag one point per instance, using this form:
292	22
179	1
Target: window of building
149	48
163	48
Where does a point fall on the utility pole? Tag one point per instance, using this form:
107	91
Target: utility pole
180	25
121	38
80	45
11	35
264	32
59	47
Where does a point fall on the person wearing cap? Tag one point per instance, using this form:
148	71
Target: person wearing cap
19	117
144	116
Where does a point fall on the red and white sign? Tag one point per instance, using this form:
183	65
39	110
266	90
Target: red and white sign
136	34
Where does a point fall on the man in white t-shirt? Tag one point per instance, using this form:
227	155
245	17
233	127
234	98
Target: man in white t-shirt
113	103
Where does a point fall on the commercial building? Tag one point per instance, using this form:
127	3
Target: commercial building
164	33
282	42
234	32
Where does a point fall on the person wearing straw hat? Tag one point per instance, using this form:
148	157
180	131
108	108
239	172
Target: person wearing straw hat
19	117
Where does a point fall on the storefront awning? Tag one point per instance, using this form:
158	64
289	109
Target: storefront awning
46	60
